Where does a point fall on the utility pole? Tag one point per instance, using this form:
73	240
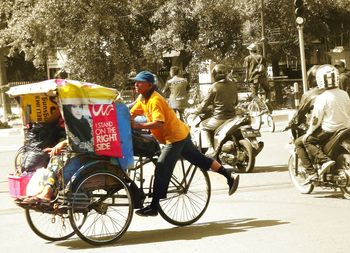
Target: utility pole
299	11
263	39
302	55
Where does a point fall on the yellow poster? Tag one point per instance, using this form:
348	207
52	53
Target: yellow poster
37	108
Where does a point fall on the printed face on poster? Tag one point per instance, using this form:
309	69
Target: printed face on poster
93	128
79	127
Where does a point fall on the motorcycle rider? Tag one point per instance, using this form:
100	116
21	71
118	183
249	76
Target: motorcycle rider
344	76
331	112
307	100
223	96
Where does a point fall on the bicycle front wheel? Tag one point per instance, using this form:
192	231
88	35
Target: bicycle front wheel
255	114
106	200
49	226
270	123
19	159
188	195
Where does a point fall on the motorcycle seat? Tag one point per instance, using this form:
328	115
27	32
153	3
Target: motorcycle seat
330	147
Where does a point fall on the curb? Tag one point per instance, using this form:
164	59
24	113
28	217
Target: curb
283	115
15	130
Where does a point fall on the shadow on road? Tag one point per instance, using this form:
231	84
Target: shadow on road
193	232
274	168
270	168
331	194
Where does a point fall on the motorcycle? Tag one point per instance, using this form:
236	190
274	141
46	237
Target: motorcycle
338	149
235	141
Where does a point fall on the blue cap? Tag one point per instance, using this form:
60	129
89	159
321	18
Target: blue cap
144	76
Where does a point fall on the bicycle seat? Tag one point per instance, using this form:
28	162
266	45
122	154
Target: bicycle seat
145	145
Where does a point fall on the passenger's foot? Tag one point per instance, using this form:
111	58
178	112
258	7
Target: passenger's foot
311	178
147	211
233	184
325	167
34	200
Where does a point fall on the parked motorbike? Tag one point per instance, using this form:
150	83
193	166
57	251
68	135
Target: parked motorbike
338	149
235	141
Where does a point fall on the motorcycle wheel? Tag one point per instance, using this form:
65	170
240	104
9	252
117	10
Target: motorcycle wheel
346	189
299	179
346	192
247	164
344	160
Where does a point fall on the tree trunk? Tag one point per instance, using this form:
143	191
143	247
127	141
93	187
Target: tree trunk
3	81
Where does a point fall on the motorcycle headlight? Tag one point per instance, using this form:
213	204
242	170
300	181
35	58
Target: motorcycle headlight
227	147
346	144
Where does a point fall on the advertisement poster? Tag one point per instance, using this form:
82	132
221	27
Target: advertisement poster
95	127
105	130
37	108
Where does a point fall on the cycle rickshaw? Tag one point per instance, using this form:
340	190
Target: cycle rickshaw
98	200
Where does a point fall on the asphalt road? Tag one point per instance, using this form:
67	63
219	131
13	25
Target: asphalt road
266	214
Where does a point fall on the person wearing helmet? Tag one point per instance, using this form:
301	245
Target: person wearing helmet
307	100
223	96
175	134
256	71
178	87
344	76
331	112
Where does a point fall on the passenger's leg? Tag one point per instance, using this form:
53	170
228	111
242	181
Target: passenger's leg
312	143
208	126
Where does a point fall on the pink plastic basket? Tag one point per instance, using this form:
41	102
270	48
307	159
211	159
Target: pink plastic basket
18	184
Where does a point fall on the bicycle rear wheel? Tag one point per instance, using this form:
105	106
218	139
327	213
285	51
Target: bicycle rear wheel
255	114
105	198
188	195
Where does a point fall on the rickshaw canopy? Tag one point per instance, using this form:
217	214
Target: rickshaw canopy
70	91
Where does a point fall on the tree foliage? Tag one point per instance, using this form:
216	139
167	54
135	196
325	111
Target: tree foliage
106	39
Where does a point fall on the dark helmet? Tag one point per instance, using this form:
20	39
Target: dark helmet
311	76
219	72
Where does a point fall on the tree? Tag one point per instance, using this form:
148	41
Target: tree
106	39
103	39
200	30
322	17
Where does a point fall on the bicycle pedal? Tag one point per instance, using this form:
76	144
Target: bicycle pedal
139	179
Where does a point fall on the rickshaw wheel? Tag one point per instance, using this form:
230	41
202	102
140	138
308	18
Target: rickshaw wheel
49	226
188	195
19	159
106	201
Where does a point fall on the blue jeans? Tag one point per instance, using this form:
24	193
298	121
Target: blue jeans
167	161
70	168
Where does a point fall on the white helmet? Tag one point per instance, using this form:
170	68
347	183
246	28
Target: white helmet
327	76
